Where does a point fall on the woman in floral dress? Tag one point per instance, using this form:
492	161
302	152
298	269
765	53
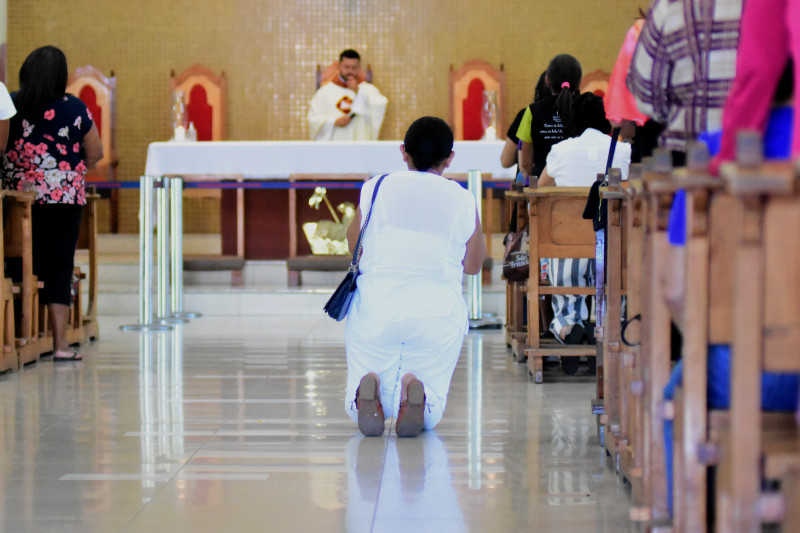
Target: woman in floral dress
52	141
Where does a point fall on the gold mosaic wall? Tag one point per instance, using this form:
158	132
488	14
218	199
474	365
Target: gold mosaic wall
269	51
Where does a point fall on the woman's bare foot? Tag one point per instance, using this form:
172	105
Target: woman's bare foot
67	355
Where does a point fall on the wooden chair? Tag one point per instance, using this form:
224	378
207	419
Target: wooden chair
653	363
708	290
595	82
205	94
324	76
630	446
766	332
8	350
98	92
557	229
466	97
610	371
516	291
17	236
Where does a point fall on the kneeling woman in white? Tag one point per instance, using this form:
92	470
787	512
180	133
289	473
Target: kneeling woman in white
408	318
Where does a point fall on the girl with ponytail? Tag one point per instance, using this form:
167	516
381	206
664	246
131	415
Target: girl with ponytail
549	121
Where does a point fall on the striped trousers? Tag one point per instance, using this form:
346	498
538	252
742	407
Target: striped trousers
570	309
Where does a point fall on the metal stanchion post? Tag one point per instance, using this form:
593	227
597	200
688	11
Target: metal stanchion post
176	250
163	238
146	185
477	319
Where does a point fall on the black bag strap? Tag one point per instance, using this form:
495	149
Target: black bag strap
612	149
357	251
623	332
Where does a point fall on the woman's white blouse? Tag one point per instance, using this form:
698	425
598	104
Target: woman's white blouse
414	247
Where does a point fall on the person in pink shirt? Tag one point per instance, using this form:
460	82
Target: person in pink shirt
769	35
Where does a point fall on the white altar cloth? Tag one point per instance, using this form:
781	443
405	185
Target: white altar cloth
279	159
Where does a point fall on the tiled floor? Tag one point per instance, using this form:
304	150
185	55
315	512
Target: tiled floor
237	424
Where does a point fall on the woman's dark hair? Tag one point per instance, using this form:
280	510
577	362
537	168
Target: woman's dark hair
429	141
541	88
564	69
589	112
42	78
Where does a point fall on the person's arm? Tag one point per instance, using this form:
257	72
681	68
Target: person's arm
353	230
93	147
526	161
370	104
4	124
320	125
546	180
476	250
509	156
649	75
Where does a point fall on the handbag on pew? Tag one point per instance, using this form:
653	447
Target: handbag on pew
596	209
339	303
516	259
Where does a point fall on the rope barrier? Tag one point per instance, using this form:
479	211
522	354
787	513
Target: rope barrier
270	184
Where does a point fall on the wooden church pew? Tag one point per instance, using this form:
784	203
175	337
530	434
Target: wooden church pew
610	372
516	291
631	446
766	336
558	230
653	363
17	232
8	349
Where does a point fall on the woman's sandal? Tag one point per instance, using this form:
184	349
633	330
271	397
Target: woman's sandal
370	410
74	357
411	415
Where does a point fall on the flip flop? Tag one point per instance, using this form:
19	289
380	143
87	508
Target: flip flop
74	357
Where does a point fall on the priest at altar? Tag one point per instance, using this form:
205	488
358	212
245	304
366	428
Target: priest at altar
348	108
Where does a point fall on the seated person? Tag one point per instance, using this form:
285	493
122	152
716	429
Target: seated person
779	392
576	162
513	145
348	108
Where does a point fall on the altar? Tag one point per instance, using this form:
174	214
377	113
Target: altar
261	222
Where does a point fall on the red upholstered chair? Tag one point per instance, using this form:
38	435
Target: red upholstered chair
204	97
324	76
466	97
98	92
595	82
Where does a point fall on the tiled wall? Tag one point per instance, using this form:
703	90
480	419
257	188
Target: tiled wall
269	51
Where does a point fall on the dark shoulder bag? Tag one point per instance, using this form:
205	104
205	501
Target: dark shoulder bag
339	304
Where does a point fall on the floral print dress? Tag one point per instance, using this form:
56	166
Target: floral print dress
44	153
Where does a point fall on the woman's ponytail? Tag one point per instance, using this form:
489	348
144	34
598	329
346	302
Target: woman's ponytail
564	74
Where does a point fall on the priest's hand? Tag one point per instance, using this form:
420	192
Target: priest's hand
341	122
352	83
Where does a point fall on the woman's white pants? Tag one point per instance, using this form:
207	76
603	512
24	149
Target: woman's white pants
426	347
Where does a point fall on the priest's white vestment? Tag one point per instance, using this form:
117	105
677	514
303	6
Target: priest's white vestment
332	101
